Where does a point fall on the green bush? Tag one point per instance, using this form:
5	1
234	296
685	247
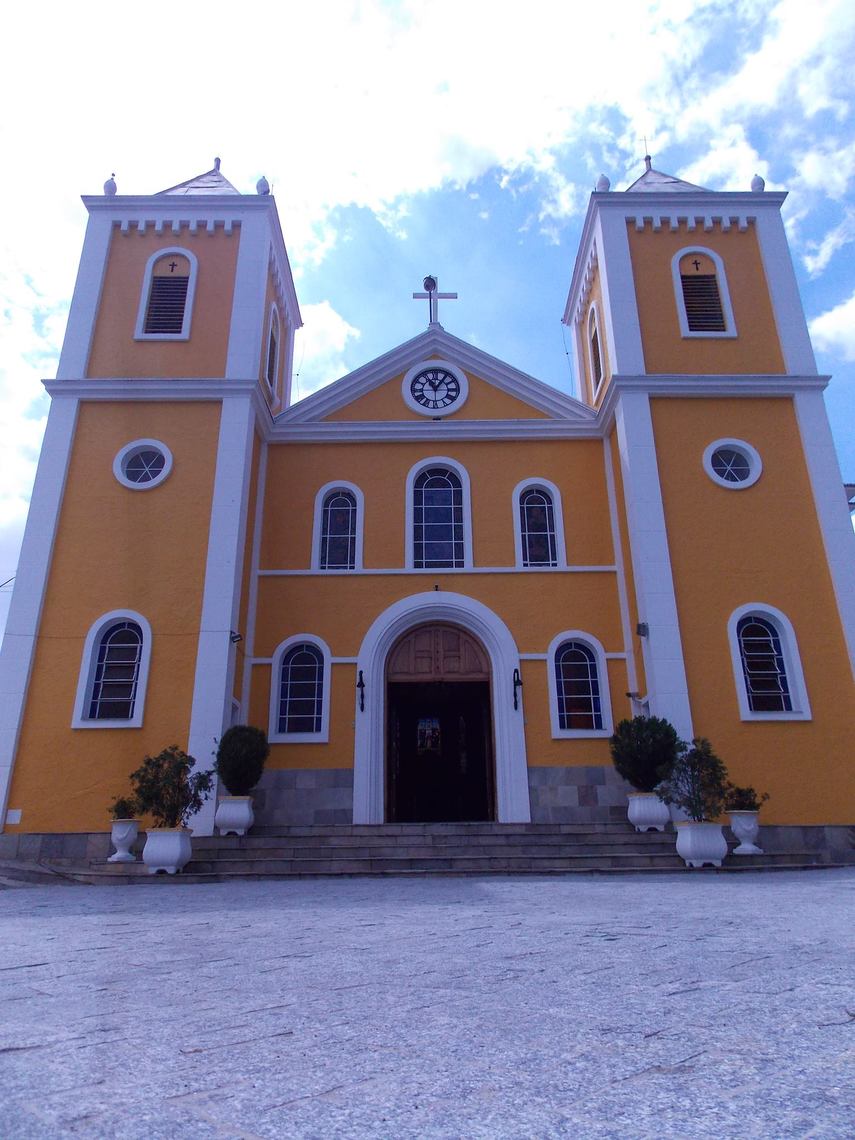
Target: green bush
698	782
240	758
124	807
166	788
743	799
644	750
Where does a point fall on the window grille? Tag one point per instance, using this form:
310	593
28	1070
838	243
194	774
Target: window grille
730	465
338	531
596	361
438	520
301	689
763	665
702	302
577	687
272	349
117	670
166	300
537	528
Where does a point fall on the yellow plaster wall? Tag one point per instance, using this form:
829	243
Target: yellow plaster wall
755	349
114	351
117	548
485	402
761	544
629	576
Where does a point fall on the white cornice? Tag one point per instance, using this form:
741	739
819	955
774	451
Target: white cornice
437	342
144	388
437	432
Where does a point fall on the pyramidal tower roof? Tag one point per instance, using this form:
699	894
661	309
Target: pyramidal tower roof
656	181
211	182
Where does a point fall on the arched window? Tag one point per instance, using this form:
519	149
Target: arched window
271	367
337	532
578	684
537	527
766	665
438	516
166	303
703	300
299	700
114	671
595	351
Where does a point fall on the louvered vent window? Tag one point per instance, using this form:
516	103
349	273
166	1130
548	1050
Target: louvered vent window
166	301
701	298
595	356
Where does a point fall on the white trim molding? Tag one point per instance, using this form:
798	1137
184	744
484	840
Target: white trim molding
792	663
512	796
129	451
409	511
750	454
317	525
558	517
323	735
594	646
158	255
729	331
88	666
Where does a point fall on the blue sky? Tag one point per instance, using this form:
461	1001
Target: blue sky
460	139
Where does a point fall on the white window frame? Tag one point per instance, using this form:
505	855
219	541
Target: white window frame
409	537
273	734
273	321
89	665
751	455
723	292
557	514
141	445
317	525
590	642
593	325
792	663
139	333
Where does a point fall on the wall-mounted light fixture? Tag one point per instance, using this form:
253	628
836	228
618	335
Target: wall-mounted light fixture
235	637
642	629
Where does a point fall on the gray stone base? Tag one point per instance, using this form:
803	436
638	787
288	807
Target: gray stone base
586	794
304	797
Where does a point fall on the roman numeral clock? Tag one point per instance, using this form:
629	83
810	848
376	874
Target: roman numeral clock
435	388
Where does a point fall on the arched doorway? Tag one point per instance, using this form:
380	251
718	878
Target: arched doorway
439	732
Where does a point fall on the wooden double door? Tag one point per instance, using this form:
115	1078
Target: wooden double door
439	740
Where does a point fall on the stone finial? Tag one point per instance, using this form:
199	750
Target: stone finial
110	186
603	184
758	184
217	165
262	186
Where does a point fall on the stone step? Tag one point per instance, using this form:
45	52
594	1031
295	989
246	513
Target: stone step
410	850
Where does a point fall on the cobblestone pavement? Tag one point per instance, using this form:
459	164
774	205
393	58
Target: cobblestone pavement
695	1005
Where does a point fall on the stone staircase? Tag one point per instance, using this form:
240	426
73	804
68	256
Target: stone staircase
435	848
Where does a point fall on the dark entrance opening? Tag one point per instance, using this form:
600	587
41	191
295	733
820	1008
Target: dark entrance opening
439	750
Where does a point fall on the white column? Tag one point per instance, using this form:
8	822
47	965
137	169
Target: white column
248	305
620	305
19	641
86	298
651	562
790	320
831	508
211	692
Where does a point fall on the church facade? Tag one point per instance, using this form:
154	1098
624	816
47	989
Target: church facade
437	583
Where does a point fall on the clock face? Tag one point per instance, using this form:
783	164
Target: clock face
435	388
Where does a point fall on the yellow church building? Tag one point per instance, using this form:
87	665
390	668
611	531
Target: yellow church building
437	583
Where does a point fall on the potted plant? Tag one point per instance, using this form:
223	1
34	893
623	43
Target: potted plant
697	784
241	754
124	829
743	807
168	790
643	752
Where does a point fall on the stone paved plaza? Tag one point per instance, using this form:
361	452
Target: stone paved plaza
692	1005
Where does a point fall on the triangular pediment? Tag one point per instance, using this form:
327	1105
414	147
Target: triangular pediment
497	391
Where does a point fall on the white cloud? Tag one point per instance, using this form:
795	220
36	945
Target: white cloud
834	331
820	253
321	343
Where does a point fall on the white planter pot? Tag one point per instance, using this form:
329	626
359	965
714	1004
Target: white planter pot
167	849
745	826
234	815
123	835
700	844
646	812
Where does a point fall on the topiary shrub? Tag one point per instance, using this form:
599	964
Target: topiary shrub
167	789
240	758
644	750
698	782
124	807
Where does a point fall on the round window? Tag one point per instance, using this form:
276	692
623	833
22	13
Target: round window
732	463
143	464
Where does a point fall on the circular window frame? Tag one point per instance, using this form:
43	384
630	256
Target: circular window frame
131	449
749	453
434	413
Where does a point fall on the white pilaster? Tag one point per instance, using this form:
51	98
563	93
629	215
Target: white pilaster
784	292
212	694
831	508
248	306
651	562
620	307
86	298
19	642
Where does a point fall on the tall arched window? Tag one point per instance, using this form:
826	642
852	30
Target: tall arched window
578	686
767	669
299	700
595	351
166	303
701	293
271	366
438	519
114	672
338	530
537	528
